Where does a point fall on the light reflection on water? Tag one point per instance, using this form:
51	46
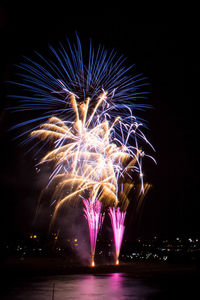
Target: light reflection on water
84	287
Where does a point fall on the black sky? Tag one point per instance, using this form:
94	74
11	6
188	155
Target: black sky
165	53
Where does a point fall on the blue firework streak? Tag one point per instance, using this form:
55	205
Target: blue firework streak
88	111
47	84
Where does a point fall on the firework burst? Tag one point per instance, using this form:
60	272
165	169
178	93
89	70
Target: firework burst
86	114
88	158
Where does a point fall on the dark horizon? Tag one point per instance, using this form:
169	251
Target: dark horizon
166	54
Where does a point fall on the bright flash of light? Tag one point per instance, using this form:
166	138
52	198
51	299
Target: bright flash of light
93	264
117	220
90	157
93	215
84	113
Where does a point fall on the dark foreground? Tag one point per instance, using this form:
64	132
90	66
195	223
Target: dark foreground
39	278
35	266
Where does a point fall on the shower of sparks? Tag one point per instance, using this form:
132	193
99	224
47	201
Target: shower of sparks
117	220
93	215
91	157
88	124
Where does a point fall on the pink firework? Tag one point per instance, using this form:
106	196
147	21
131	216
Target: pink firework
93	215
117	220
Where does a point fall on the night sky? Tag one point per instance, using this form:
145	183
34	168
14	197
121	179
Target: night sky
166	54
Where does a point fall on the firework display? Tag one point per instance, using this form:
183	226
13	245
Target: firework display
87	158
87	119
93	215
117	220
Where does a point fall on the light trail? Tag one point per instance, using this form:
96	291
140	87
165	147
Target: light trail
117	220
93	215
